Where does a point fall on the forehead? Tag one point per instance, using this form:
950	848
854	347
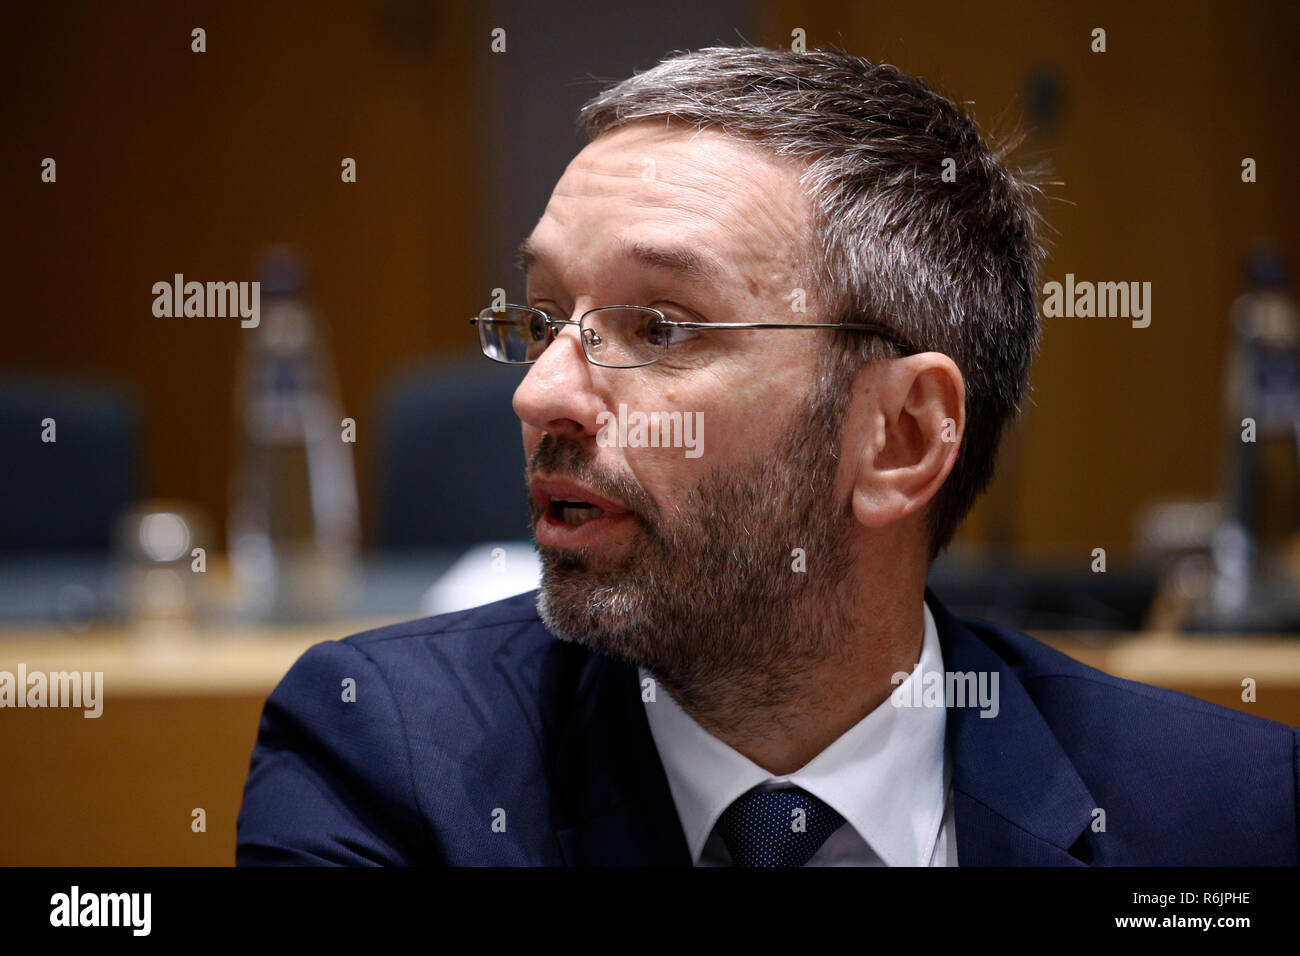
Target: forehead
650	185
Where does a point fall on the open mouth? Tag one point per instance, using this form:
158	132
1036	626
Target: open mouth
573	511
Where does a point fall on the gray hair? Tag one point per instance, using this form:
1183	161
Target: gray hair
952	265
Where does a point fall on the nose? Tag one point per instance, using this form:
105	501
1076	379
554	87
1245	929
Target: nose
558	394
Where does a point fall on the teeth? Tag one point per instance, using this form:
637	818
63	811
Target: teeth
579	514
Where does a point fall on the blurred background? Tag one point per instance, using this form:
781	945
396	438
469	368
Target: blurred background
185	507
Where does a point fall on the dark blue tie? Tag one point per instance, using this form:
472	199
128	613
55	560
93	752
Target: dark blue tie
776	827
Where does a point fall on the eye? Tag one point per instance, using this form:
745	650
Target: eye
659	333
538	329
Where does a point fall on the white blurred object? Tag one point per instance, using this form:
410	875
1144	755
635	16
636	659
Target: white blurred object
161	552
483	574
294	528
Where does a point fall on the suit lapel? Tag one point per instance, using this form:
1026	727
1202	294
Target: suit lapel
613	804
1018	800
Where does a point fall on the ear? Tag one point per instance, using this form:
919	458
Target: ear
914	418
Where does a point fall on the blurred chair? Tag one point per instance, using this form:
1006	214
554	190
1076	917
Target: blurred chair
64	495
1029	593
451	461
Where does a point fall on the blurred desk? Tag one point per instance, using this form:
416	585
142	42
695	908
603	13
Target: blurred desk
181	709
180	714
177	661
1211	667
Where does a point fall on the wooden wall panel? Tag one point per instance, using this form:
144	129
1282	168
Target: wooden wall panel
173	161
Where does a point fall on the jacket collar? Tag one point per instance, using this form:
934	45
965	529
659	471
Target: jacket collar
1018	800
611	797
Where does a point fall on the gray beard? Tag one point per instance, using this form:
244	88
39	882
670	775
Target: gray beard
709	602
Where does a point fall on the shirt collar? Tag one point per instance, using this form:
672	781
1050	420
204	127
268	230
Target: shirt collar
884	775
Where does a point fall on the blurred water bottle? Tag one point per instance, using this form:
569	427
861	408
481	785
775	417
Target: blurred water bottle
294	529
1252	584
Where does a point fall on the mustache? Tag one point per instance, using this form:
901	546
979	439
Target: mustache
566	458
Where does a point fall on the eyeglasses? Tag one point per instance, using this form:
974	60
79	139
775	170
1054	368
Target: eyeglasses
621	336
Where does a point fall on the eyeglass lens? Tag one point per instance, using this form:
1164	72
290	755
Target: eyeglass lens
614	336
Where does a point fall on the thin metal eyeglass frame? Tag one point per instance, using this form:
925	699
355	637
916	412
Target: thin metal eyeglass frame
553	324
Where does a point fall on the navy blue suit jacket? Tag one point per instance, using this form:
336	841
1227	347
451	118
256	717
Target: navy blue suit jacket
480	738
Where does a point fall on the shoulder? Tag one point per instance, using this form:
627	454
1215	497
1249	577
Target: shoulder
1161	761
372	744
495	621
441	660
471	633
1061	686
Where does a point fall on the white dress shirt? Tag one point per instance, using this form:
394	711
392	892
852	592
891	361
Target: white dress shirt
888	775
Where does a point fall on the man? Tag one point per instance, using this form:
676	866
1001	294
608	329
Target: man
730	658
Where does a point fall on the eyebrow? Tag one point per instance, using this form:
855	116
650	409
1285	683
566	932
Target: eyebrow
687	263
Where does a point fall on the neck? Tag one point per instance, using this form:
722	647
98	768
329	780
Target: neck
781	715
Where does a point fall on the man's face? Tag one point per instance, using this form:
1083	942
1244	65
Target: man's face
688	558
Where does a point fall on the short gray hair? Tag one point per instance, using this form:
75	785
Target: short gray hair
951	265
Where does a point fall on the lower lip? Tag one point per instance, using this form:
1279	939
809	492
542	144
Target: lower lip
553	533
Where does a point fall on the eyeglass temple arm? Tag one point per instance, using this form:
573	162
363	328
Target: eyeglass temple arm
882	330
550	319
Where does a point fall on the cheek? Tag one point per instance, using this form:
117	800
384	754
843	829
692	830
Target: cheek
709	437
687	444
663	472
725	429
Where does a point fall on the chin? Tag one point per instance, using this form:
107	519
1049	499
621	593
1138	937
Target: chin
581	610
550	620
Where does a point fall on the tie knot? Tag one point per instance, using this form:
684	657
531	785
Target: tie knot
776	827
